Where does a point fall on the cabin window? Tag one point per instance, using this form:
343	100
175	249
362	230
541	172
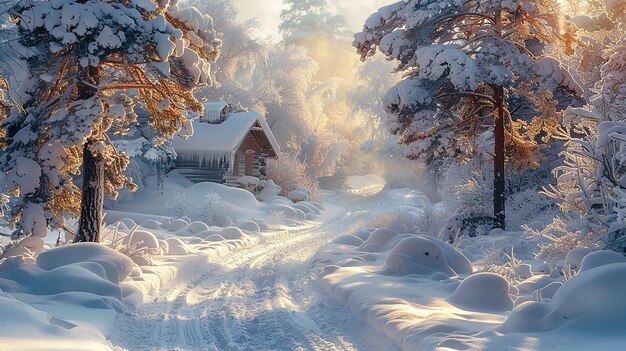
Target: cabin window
249	159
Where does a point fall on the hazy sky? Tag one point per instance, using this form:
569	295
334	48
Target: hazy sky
268	12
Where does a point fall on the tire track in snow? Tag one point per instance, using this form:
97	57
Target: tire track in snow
259	298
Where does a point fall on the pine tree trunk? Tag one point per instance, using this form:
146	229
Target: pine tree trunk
92	201
498	162
92	197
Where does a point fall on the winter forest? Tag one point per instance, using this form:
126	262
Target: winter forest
325	175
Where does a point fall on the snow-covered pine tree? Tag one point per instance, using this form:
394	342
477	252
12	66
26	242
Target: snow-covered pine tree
461	60
591	185
91	65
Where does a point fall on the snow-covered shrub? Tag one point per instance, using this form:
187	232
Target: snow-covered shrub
288	172
470	222
590	184
212	211
400	221
177	205
502	261
528	206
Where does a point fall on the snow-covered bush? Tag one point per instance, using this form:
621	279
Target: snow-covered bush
177	205
288	172
529	207
590	184
408	220
502	261
213	212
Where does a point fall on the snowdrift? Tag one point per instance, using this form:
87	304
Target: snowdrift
423	294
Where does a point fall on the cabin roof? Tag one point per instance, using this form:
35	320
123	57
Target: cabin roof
226	137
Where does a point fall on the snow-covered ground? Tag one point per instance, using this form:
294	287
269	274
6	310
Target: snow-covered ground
425	294
322	284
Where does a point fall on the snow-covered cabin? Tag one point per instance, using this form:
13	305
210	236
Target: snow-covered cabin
225	146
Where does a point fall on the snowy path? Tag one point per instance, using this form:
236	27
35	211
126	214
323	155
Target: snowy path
261	298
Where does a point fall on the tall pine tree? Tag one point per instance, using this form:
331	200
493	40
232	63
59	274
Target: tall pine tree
462	60
91	65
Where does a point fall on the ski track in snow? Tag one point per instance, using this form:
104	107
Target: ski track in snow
260	298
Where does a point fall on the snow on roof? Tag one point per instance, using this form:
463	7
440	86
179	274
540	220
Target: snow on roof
226	137
213	110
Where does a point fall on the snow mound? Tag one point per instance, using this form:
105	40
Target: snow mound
250	226
362	234
232	233
366	185
378	239
600	258
288	211
215	238
299	193
483	292
151	224
176	225
116	265
348	239
176	247
270	190
534	283
18	275
248	181
592	300
27	322
425	255
575	256
197	227
142	240
547	292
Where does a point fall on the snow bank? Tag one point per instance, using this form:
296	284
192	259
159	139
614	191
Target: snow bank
592	300
211	203
421	293
115	265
